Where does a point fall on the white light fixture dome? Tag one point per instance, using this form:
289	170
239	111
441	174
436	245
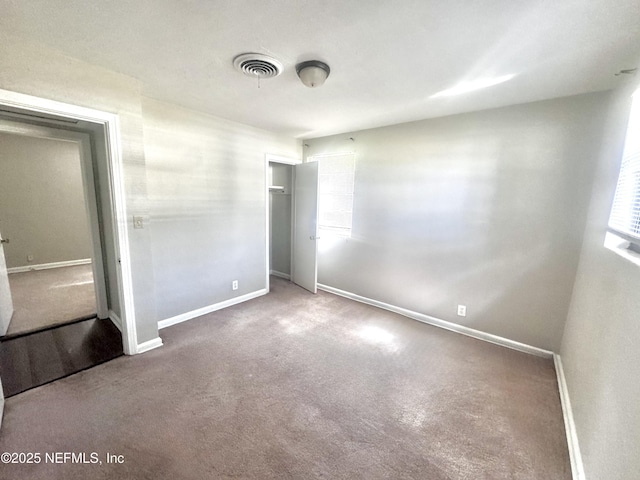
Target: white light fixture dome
313	73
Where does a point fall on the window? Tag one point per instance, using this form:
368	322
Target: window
336	176
624	220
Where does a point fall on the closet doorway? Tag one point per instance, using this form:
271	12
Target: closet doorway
280	216
292	214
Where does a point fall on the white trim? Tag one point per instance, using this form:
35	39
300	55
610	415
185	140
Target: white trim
454	327
575	457
150	345
115	319
167	322
275	273
121	236
280	159
620	246
110	123
48	266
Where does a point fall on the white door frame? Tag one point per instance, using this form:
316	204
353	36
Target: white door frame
269	158
110	124
82	140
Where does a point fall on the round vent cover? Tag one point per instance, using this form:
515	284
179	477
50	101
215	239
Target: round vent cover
257	65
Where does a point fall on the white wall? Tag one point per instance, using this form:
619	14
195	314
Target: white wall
485	209
42	204
600	349
206	187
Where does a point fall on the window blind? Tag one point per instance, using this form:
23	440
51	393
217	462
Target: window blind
336	176
625	213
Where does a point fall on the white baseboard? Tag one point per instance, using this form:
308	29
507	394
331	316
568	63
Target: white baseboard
115	319
577	468
276	273
454	327
150	345
47	266
211	308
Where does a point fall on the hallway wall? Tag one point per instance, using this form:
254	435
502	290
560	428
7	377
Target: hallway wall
42	204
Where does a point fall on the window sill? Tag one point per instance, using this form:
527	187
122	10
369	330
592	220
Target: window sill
620	247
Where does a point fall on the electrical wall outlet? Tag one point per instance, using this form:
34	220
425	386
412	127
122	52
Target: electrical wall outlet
462	310
234	285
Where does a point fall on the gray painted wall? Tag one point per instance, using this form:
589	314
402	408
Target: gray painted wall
280	218
484	209
42	204
206	186
600	345
200	191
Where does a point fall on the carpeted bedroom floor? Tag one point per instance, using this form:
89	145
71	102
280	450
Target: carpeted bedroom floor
297	386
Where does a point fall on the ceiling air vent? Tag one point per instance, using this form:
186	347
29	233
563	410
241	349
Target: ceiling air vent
257	65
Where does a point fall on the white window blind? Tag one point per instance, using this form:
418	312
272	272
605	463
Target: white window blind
336	176
625	213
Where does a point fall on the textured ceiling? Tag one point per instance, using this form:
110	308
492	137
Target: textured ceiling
387	58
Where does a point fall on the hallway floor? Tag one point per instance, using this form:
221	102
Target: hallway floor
44	298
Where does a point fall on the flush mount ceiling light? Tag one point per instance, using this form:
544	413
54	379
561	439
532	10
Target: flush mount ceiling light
313	73
465	87
257	65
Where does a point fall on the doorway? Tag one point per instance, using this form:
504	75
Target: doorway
292	212
103	128
49	221
280	219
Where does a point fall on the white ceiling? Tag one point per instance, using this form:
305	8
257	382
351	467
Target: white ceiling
387	57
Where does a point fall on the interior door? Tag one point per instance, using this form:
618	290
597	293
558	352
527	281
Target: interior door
6	307
6	304
305	228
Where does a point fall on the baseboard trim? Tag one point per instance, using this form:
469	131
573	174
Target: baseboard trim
149	345
211	308
276	273
115	319
436	322
47	266
577	468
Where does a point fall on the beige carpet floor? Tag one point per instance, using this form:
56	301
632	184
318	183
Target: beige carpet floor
44	298
297	386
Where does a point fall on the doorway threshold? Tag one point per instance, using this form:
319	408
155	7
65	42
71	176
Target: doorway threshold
31	360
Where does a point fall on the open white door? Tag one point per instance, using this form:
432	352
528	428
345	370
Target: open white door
6	303
6	307
305	249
